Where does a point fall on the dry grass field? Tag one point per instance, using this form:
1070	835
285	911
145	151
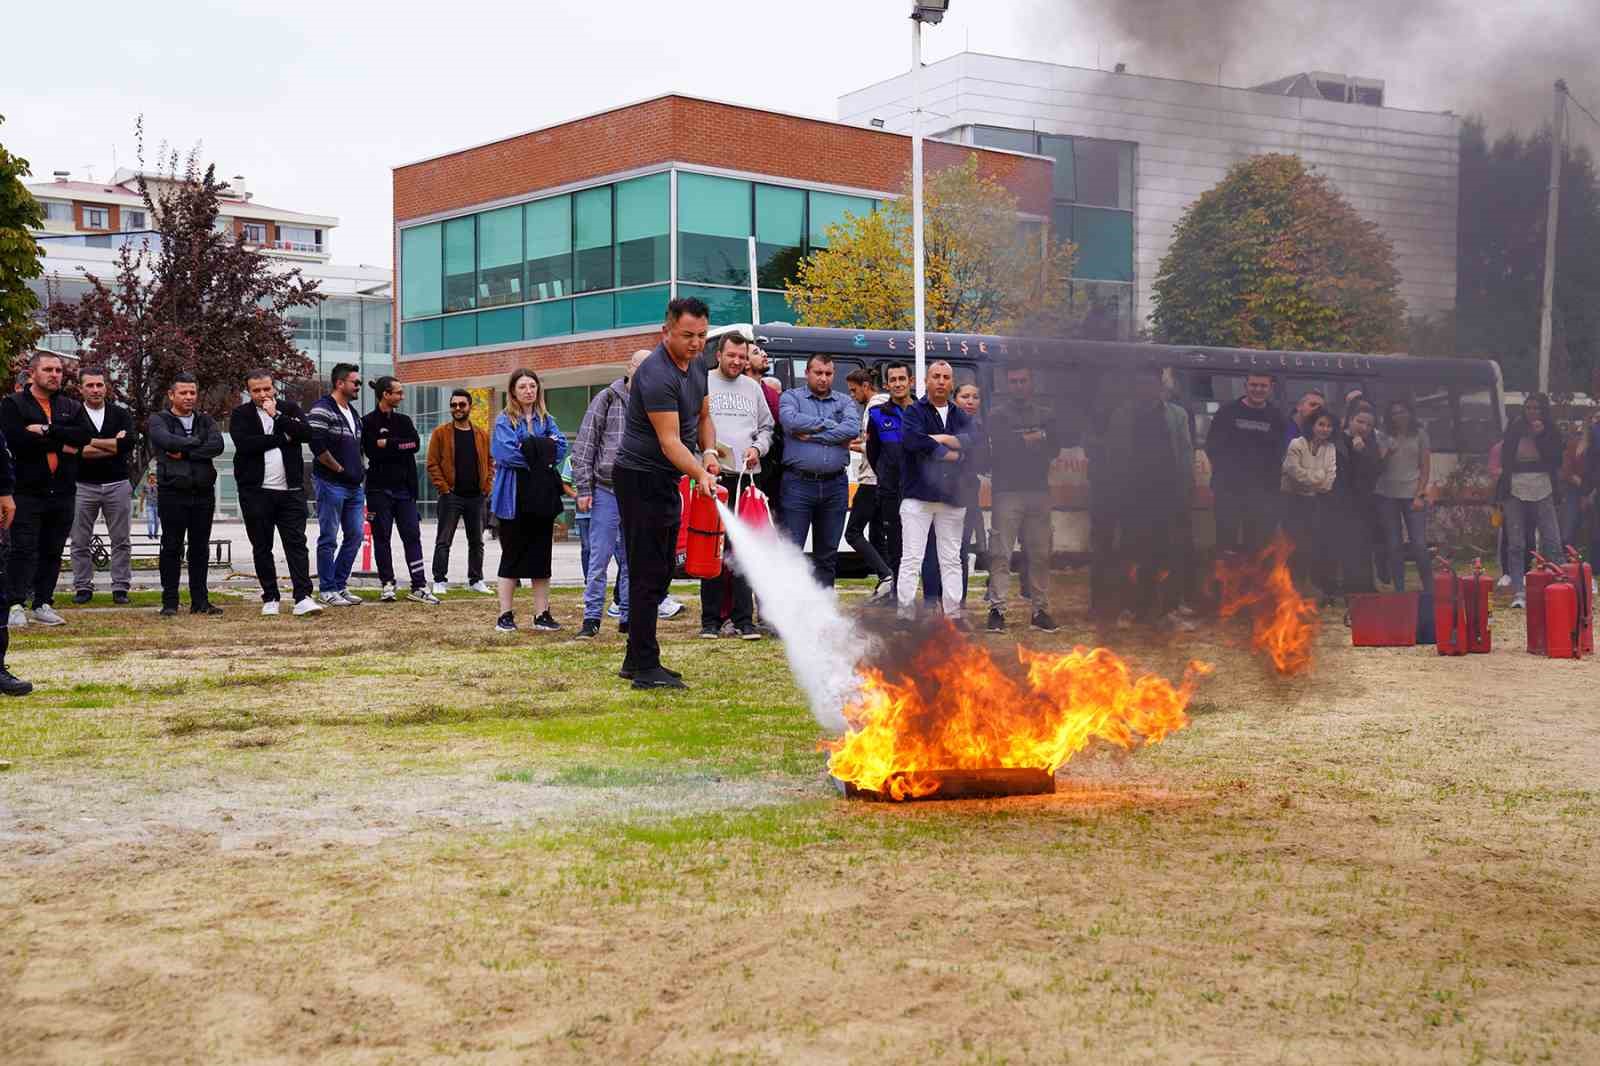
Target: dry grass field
387	836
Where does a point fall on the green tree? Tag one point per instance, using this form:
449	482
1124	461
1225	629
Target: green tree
1275	257
987	272
192	299
1500	258
19	261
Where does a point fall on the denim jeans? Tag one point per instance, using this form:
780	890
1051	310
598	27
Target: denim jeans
1398	515
1522	518
820	509
604	543
340	509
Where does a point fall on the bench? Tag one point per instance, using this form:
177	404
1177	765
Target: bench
220	555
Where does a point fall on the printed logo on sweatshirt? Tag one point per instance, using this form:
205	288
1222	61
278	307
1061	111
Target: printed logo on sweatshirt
1253	425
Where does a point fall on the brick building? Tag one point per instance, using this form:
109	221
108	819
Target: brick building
558	249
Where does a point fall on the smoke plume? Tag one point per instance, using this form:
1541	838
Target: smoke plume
1498	61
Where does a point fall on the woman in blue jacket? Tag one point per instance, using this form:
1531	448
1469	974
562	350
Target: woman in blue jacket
527	447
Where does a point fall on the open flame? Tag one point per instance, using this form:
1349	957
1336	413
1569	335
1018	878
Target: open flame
1283	624
954	708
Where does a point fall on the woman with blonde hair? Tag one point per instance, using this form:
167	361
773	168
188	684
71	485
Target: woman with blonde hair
527	447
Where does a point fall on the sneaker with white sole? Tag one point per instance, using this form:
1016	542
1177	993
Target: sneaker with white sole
613	610
46	616
441	587
1519	602
350	598
670	608
481	586
422	595
269	608
387	595
331	599
883	590
546	622
1504	582
307	606
17	617
506	623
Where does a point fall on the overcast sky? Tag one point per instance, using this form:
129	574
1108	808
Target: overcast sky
315	102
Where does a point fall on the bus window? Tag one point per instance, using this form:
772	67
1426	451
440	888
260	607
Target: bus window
1436	412
1479	422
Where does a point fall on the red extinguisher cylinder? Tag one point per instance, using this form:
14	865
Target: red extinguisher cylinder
1538	582
703	552
1561	621
1581	575
1449	614
1476	589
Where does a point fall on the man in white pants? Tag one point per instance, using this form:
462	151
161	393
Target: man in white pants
935	439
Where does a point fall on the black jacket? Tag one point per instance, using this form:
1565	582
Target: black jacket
29	450
251	443
112	468
1246	445
1549	461
8	477
393	467
192	471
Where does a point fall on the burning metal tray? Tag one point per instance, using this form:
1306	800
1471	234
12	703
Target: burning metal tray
967	784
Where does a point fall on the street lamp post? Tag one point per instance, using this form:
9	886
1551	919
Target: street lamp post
926	11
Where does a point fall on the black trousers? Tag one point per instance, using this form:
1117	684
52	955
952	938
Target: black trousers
649	505
1151	556
38	534
5	599
467	510
1105	564
387	513
864	523
266	510
185	515
888	507
1247	520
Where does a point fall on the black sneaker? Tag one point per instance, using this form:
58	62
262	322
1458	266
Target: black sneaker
546	622
622	627
82	596
710	632
12	685
506	623
997	621
749	632
169	612
120	598
590	629
658	678
627	672
1043	621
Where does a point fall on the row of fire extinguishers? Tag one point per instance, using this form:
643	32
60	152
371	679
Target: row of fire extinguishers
700	530
1560	608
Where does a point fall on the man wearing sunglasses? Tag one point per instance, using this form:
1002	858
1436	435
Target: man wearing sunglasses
340	477
460	468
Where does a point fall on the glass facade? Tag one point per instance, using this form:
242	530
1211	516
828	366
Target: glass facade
1093	208
600	259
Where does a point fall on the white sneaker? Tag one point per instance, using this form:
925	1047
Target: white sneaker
669	608
481	586
307	606
17	618
387	595
332	599
270	608
422	596
613	611
1504	582
1519	602
349	599
46	616
440	588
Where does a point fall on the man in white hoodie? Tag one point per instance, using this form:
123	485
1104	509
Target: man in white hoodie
744	424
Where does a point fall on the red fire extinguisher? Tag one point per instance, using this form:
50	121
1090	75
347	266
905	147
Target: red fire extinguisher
1581	574
702	534
1534	588
1476	588
1449	610
1561	620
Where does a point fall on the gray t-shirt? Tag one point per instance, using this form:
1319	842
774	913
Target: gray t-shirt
658	385
1402	471
740	413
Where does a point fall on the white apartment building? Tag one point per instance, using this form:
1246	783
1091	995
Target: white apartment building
1133	152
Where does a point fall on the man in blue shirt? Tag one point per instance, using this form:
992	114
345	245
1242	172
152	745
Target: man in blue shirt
818	426
935	438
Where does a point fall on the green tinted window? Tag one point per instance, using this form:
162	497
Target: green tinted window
460	263
726	305
643	206
642	307
590	313
425	336
828	208
567	406
1104	172
713	229
548	227
775	308
461	331
1060	149
780	234
591	239
499	327
552	319
420	266
1105	244
500	257
999	137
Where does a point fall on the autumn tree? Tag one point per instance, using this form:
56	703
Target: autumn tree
987	271
1274	257
192	298
19	261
